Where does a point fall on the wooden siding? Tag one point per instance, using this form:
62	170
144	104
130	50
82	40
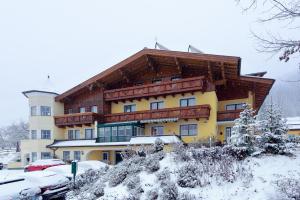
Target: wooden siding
77	119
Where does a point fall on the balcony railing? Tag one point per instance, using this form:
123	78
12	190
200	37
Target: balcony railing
228	115
191	112
76	119
156	89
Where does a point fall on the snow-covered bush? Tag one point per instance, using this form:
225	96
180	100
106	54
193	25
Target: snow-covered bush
152	194
87	177
243	131
169	191
163	175
133	182
289	188
158	145
188	175
152	163
129	152
117	175
181	152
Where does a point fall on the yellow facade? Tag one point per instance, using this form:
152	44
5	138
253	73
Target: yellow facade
294	132
206	128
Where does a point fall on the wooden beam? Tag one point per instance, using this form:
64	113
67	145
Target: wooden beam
179	66
151	64
124	75
209	72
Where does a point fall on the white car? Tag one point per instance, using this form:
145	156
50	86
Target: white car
51	184
17	188
83	166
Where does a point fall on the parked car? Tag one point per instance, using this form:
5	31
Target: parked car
39	165
51	185
83	166
17	188
1	166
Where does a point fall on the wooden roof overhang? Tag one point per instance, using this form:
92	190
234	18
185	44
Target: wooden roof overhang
215	67
238	88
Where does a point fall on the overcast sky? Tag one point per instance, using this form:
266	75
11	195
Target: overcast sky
74	40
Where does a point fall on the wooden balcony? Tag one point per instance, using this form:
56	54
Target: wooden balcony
228	115
192	112
156	89
76	119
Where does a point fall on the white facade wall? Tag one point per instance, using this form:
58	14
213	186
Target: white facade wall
39	123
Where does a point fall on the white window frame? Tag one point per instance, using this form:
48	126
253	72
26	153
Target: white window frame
31	134
157	103
107	154
74	155
45	113
163	130
32	111
187	98
188	125
133	104
42	156
69	156
82	110
43	138
92	133
94	109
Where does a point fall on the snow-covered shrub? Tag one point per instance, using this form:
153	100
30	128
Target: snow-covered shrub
243	131
188	175
159	155
187	196
87	177
158	145
289	188
129	152
152	194
132	182
117	175
152	163
98	190
239	153
181	152
163	175
169	191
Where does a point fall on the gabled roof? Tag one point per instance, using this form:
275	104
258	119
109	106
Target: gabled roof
164	57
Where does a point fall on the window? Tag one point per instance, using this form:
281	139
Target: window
188	129
70	111
157	130
45	155
33	111
156	105
228	134
33	134
105	156
45	111
129	108
33	156
66	156
45	134
73	134
89	133
237	106
94	109
82	109
187	102
157	80
77	155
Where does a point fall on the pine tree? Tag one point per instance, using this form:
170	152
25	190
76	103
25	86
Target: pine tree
244	128
274	129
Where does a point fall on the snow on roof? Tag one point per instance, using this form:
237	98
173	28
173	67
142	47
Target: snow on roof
47	162
167	139
293	123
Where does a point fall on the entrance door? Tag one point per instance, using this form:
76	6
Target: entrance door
118	157
228	134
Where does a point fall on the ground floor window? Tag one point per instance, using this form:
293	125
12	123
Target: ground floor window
45	155
66	156
105	156
188	129
33	156
157	130
77	155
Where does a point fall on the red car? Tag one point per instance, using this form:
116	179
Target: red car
39	165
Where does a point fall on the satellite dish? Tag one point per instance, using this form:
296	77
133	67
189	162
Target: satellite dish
193	49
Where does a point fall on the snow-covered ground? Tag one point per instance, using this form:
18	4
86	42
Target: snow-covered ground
9	174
